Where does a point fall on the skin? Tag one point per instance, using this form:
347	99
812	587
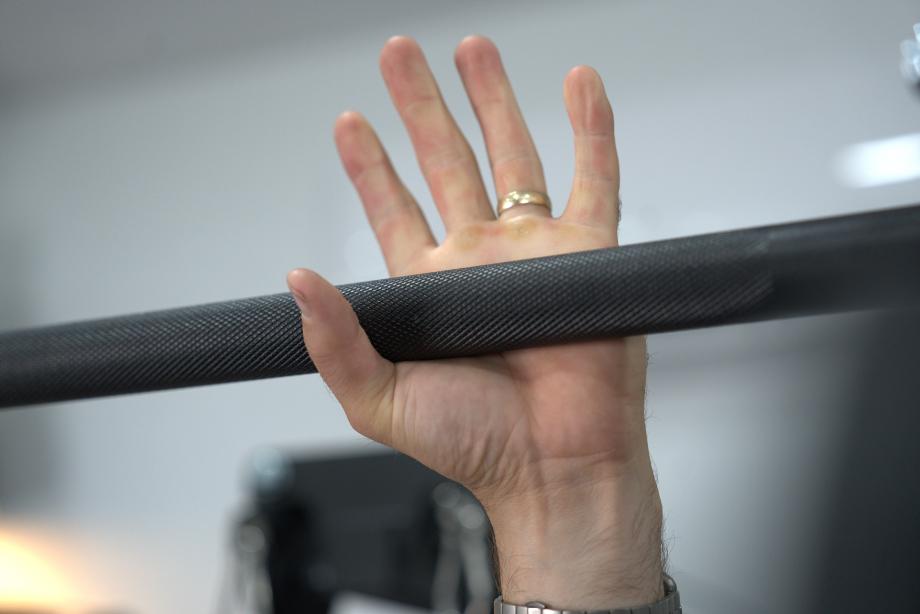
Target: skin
552	440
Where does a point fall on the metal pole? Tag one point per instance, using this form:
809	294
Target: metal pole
862	261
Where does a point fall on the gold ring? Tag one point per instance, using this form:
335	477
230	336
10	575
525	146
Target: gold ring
522	197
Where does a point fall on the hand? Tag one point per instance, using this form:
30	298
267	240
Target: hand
551	440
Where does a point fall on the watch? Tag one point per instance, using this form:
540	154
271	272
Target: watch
669	604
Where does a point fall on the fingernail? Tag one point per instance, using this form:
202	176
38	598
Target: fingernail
301	304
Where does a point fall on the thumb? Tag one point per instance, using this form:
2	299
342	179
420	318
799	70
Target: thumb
360	378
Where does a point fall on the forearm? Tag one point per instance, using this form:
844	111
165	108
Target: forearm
588	545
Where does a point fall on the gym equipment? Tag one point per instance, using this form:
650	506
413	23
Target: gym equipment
861	261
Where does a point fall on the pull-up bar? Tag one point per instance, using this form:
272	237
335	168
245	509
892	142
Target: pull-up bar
861	261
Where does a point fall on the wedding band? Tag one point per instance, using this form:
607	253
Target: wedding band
522	197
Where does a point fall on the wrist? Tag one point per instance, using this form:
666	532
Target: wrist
585	545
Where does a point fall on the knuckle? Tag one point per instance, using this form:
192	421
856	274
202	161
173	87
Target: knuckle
446	158
421	105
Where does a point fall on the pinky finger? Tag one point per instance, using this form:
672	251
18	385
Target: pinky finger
595	189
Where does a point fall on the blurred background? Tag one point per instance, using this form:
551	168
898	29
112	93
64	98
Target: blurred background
154	155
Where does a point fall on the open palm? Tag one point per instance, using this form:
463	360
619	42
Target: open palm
551	440
505	423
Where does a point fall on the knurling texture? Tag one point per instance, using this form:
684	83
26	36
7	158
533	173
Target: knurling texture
645	288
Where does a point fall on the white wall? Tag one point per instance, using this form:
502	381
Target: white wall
208	180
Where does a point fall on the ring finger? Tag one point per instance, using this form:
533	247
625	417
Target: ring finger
512	155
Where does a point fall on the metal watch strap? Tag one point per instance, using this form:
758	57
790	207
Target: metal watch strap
669	604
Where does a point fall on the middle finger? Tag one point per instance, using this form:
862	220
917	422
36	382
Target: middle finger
444	155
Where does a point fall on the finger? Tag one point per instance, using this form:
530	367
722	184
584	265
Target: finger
443	153
358	376
513	158
596	184
394	216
